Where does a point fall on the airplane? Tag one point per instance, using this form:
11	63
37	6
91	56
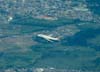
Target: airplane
80	9
10	18
48	37
47	17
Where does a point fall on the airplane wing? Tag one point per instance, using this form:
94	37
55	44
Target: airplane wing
50	35
49	40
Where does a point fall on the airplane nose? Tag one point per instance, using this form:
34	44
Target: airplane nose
39	35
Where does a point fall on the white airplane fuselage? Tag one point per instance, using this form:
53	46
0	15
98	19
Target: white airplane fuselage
47	37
